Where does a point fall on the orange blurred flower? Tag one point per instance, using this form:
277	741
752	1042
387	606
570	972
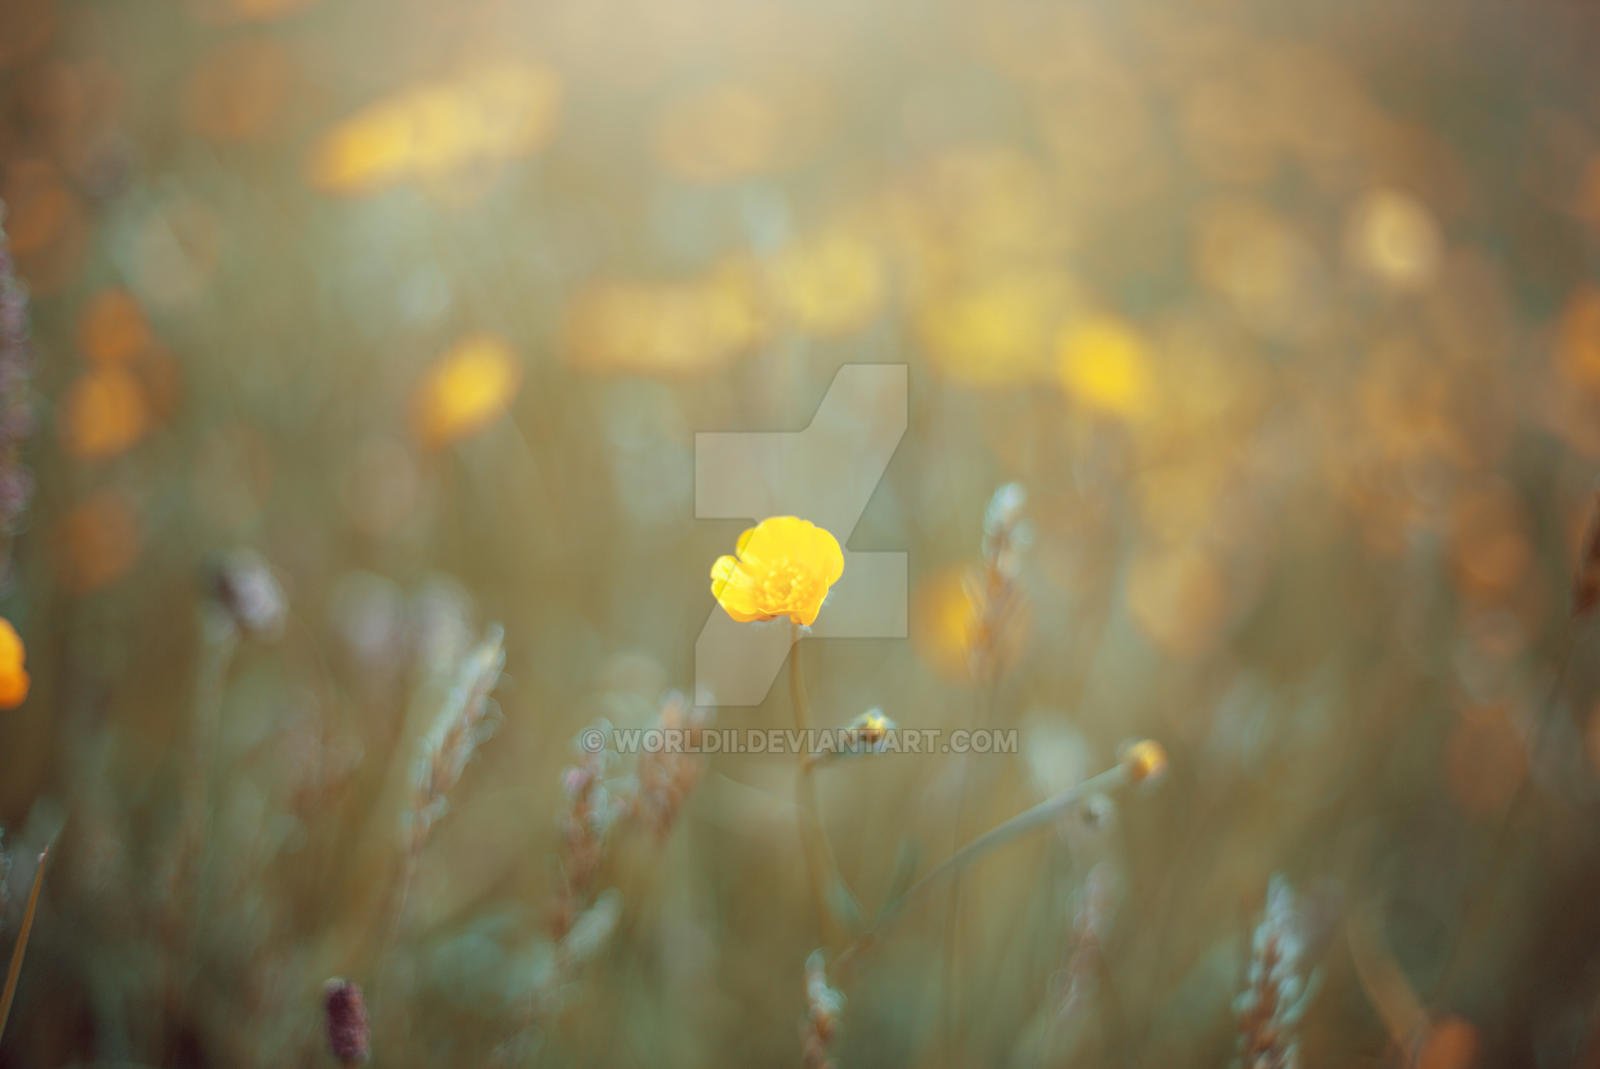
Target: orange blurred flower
1450	1043
469	387
784	568
246	11
13	677
1490	551
1577	341
113	328
96	542
239	90
47	223
103	414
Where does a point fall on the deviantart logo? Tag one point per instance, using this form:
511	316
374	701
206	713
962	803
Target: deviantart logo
825	473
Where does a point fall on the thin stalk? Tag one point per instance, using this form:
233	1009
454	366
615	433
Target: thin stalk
811	840
951	1016
1477	909
1013	828
196	853
15	971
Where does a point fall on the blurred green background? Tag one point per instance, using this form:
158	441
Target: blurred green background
1286	317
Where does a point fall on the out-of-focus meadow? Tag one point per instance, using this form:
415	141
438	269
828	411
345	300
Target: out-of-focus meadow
364	328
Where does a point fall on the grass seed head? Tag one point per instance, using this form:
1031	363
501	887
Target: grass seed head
346	1011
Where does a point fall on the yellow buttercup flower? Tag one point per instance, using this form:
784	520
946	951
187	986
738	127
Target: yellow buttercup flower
13	677
784	567
466	389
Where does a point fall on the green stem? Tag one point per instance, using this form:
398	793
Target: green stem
21	948
989	685
811	839
1011	829
196	851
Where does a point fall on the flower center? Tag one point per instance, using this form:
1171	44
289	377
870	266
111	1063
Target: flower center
784	583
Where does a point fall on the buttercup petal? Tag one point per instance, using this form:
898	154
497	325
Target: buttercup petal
762	544
733	588
831	556
743	547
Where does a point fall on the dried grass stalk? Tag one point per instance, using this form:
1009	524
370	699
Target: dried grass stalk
823	1007
1276	992
463	723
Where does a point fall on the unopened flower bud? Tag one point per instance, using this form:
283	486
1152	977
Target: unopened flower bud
1144	760
869	732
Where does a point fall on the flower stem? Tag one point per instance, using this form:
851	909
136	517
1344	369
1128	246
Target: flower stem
196	853
811	839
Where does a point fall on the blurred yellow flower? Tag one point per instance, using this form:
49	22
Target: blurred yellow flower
996	332
942	613
469	387
784	567
434	131
667	327
1393	238
1261	263
947	629
1103	365
830	283
368	151
13	677
977	211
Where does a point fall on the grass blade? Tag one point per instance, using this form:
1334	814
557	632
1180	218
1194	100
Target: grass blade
21	948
